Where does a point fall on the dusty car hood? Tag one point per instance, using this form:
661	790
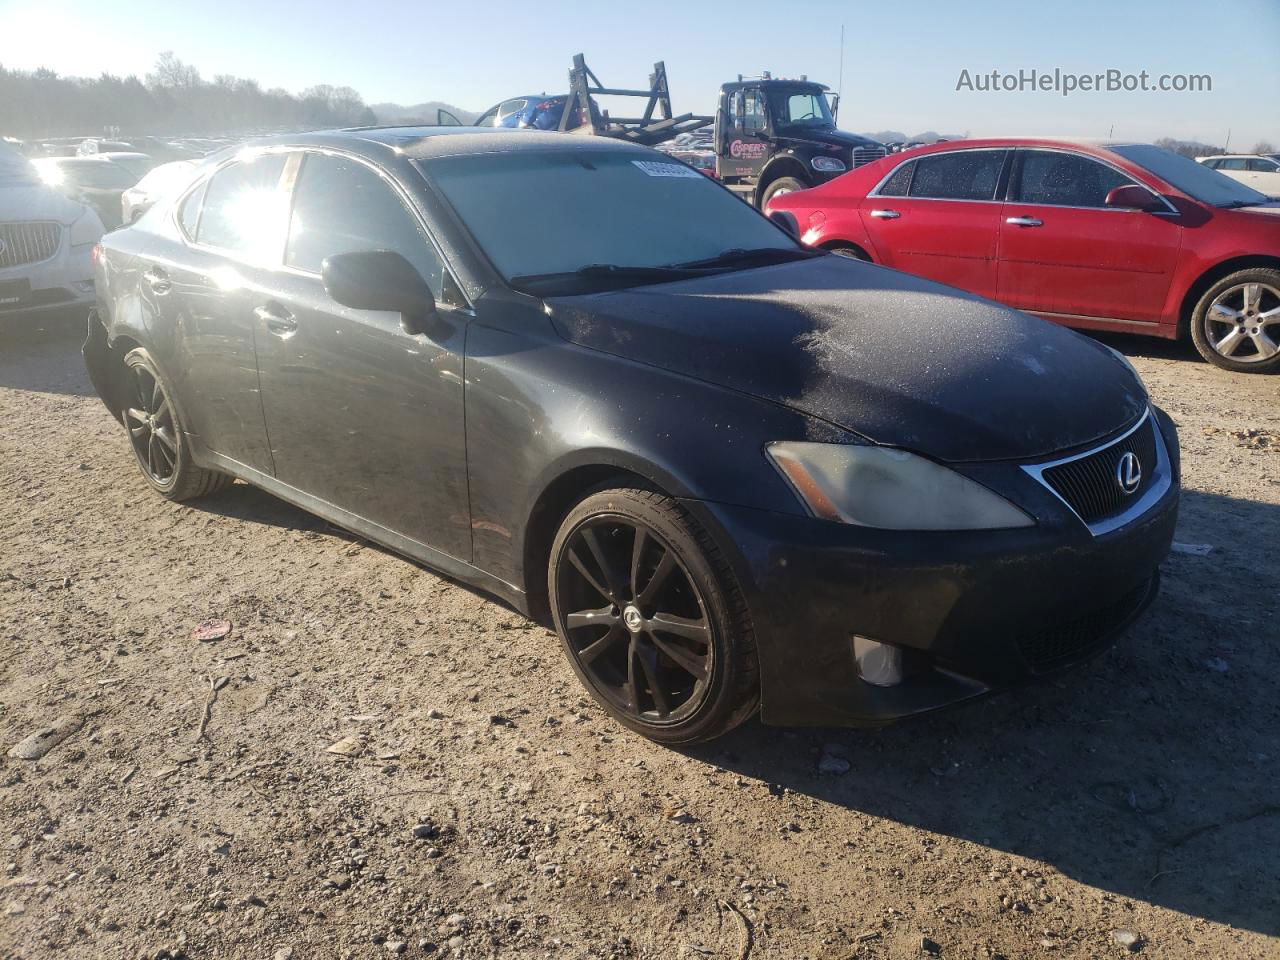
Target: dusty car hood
897	359
37	202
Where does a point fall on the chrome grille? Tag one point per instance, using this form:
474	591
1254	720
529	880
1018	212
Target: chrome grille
31	242
864	155
1089	484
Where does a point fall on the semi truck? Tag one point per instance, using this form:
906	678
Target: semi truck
769	135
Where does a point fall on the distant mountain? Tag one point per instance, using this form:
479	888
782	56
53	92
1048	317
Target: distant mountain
418	112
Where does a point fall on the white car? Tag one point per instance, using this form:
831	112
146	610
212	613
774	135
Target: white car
1262	172
46	241
159	181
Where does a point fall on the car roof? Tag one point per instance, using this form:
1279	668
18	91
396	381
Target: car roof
424	142
1098	147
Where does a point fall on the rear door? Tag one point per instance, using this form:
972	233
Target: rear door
360	413
234	227
937	216
1063	252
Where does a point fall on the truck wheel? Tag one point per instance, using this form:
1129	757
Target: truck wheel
780	186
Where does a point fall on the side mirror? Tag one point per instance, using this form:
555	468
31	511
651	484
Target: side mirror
1133	197
380	280
787	221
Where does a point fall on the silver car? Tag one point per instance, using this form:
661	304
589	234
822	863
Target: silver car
46	242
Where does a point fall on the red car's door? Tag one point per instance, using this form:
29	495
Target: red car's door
937	216
1063	252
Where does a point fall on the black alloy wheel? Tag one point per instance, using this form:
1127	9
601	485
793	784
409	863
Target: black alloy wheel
152	428
156	435
642	617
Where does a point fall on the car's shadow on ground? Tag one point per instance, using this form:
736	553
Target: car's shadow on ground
1151	773
41	353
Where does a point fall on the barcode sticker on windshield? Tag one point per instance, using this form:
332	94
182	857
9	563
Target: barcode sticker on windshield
656	168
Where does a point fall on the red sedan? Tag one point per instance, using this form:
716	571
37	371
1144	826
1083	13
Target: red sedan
1115	236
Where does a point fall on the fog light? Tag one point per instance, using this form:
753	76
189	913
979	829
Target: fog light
878	663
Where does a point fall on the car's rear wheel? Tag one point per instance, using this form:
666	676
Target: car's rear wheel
1236	324
651	618
156	435
780	186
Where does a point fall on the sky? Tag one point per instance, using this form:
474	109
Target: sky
901	66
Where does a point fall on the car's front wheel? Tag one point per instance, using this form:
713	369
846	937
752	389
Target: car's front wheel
651	617
156	435
1236	324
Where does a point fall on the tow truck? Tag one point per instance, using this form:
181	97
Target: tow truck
769	136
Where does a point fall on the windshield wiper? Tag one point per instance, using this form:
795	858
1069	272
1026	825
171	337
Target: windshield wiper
744	255
593	273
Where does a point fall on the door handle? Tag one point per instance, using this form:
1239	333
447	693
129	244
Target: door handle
277	319
157	280
1024	221
886	214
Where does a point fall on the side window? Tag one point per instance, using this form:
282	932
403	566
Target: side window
189	212
1261	165
1057	179
342	206
963	175
1235	163
896	185
244	208
753	112
1213	164
735	110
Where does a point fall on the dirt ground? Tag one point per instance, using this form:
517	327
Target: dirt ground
487	808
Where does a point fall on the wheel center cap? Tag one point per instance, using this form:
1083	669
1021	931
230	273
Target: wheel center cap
632	618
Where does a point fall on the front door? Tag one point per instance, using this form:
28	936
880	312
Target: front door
1064	252
937	216
360	413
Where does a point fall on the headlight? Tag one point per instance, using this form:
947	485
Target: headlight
827	164
86	229
889	489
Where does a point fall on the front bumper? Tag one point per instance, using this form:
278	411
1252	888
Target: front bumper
973	612
63	281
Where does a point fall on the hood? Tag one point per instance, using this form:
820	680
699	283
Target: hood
832	136
37	202
896	359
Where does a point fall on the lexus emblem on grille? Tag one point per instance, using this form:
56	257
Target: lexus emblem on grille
1129	472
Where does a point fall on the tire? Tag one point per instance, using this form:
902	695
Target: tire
852	253
781	185
615	618
156	435
1240	343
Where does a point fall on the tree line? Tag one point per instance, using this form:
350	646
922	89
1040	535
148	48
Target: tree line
171	100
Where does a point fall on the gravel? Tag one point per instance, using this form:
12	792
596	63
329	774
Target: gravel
1137	794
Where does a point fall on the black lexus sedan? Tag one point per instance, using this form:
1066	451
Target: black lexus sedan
733	473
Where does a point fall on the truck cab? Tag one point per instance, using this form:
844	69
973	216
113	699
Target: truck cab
775	136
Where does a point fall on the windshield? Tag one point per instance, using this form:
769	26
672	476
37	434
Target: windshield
800	108
1194	179
542	217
